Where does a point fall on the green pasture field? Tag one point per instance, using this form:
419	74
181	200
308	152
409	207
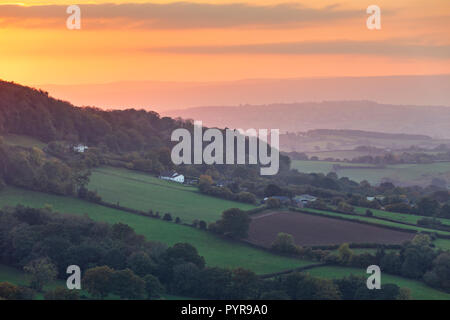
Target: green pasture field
419	290
442	244
404	173
217	251
401	217
144	192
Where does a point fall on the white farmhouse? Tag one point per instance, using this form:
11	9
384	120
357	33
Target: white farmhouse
80	148
172	176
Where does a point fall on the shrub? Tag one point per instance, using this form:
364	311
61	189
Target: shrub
62	294
284	243
153	287
246	197
345	254
345	207
399	207
273	203
202	225
429	222
318	204
234	223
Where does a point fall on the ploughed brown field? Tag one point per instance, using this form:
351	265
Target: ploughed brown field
311	230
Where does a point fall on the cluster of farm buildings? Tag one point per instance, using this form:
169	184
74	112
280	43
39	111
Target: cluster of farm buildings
299	201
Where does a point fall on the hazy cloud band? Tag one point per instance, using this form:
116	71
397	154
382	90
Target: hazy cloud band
181	15
387	48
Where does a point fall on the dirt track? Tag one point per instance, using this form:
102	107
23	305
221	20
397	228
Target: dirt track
310	230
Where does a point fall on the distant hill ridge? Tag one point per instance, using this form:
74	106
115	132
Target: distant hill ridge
367	134
433	121
169	95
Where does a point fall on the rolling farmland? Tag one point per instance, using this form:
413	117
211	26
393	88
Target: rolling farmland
217	252
403	174
143	192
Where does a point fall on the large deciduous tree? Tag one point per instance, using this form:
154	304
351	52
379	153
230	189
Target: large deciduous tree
42	272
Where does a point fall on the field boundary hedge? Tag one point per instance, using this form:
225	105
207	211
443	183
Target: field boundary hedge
359	246
299	269
256	210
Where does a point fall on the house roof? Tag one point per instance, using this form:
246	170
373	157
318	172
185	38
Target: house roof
305	197
170	174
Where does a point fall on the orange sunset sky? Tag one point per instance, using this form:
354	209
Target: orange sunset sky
220	40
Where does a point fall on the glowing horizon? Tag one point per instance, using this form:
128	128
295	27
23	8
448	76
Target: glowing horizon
220	40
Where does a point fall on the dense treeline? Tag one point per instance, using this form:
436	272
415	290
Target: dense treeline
416	259
30	168
116	261
366	134
402	158
140	140
32	112
379	158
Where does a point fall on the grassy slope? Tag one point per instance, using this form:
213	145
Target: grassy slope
442	243
143	192
400	172
216	251
401	217
418	289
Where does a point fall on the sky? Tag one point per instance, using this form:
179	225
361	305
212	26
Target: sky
220	40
